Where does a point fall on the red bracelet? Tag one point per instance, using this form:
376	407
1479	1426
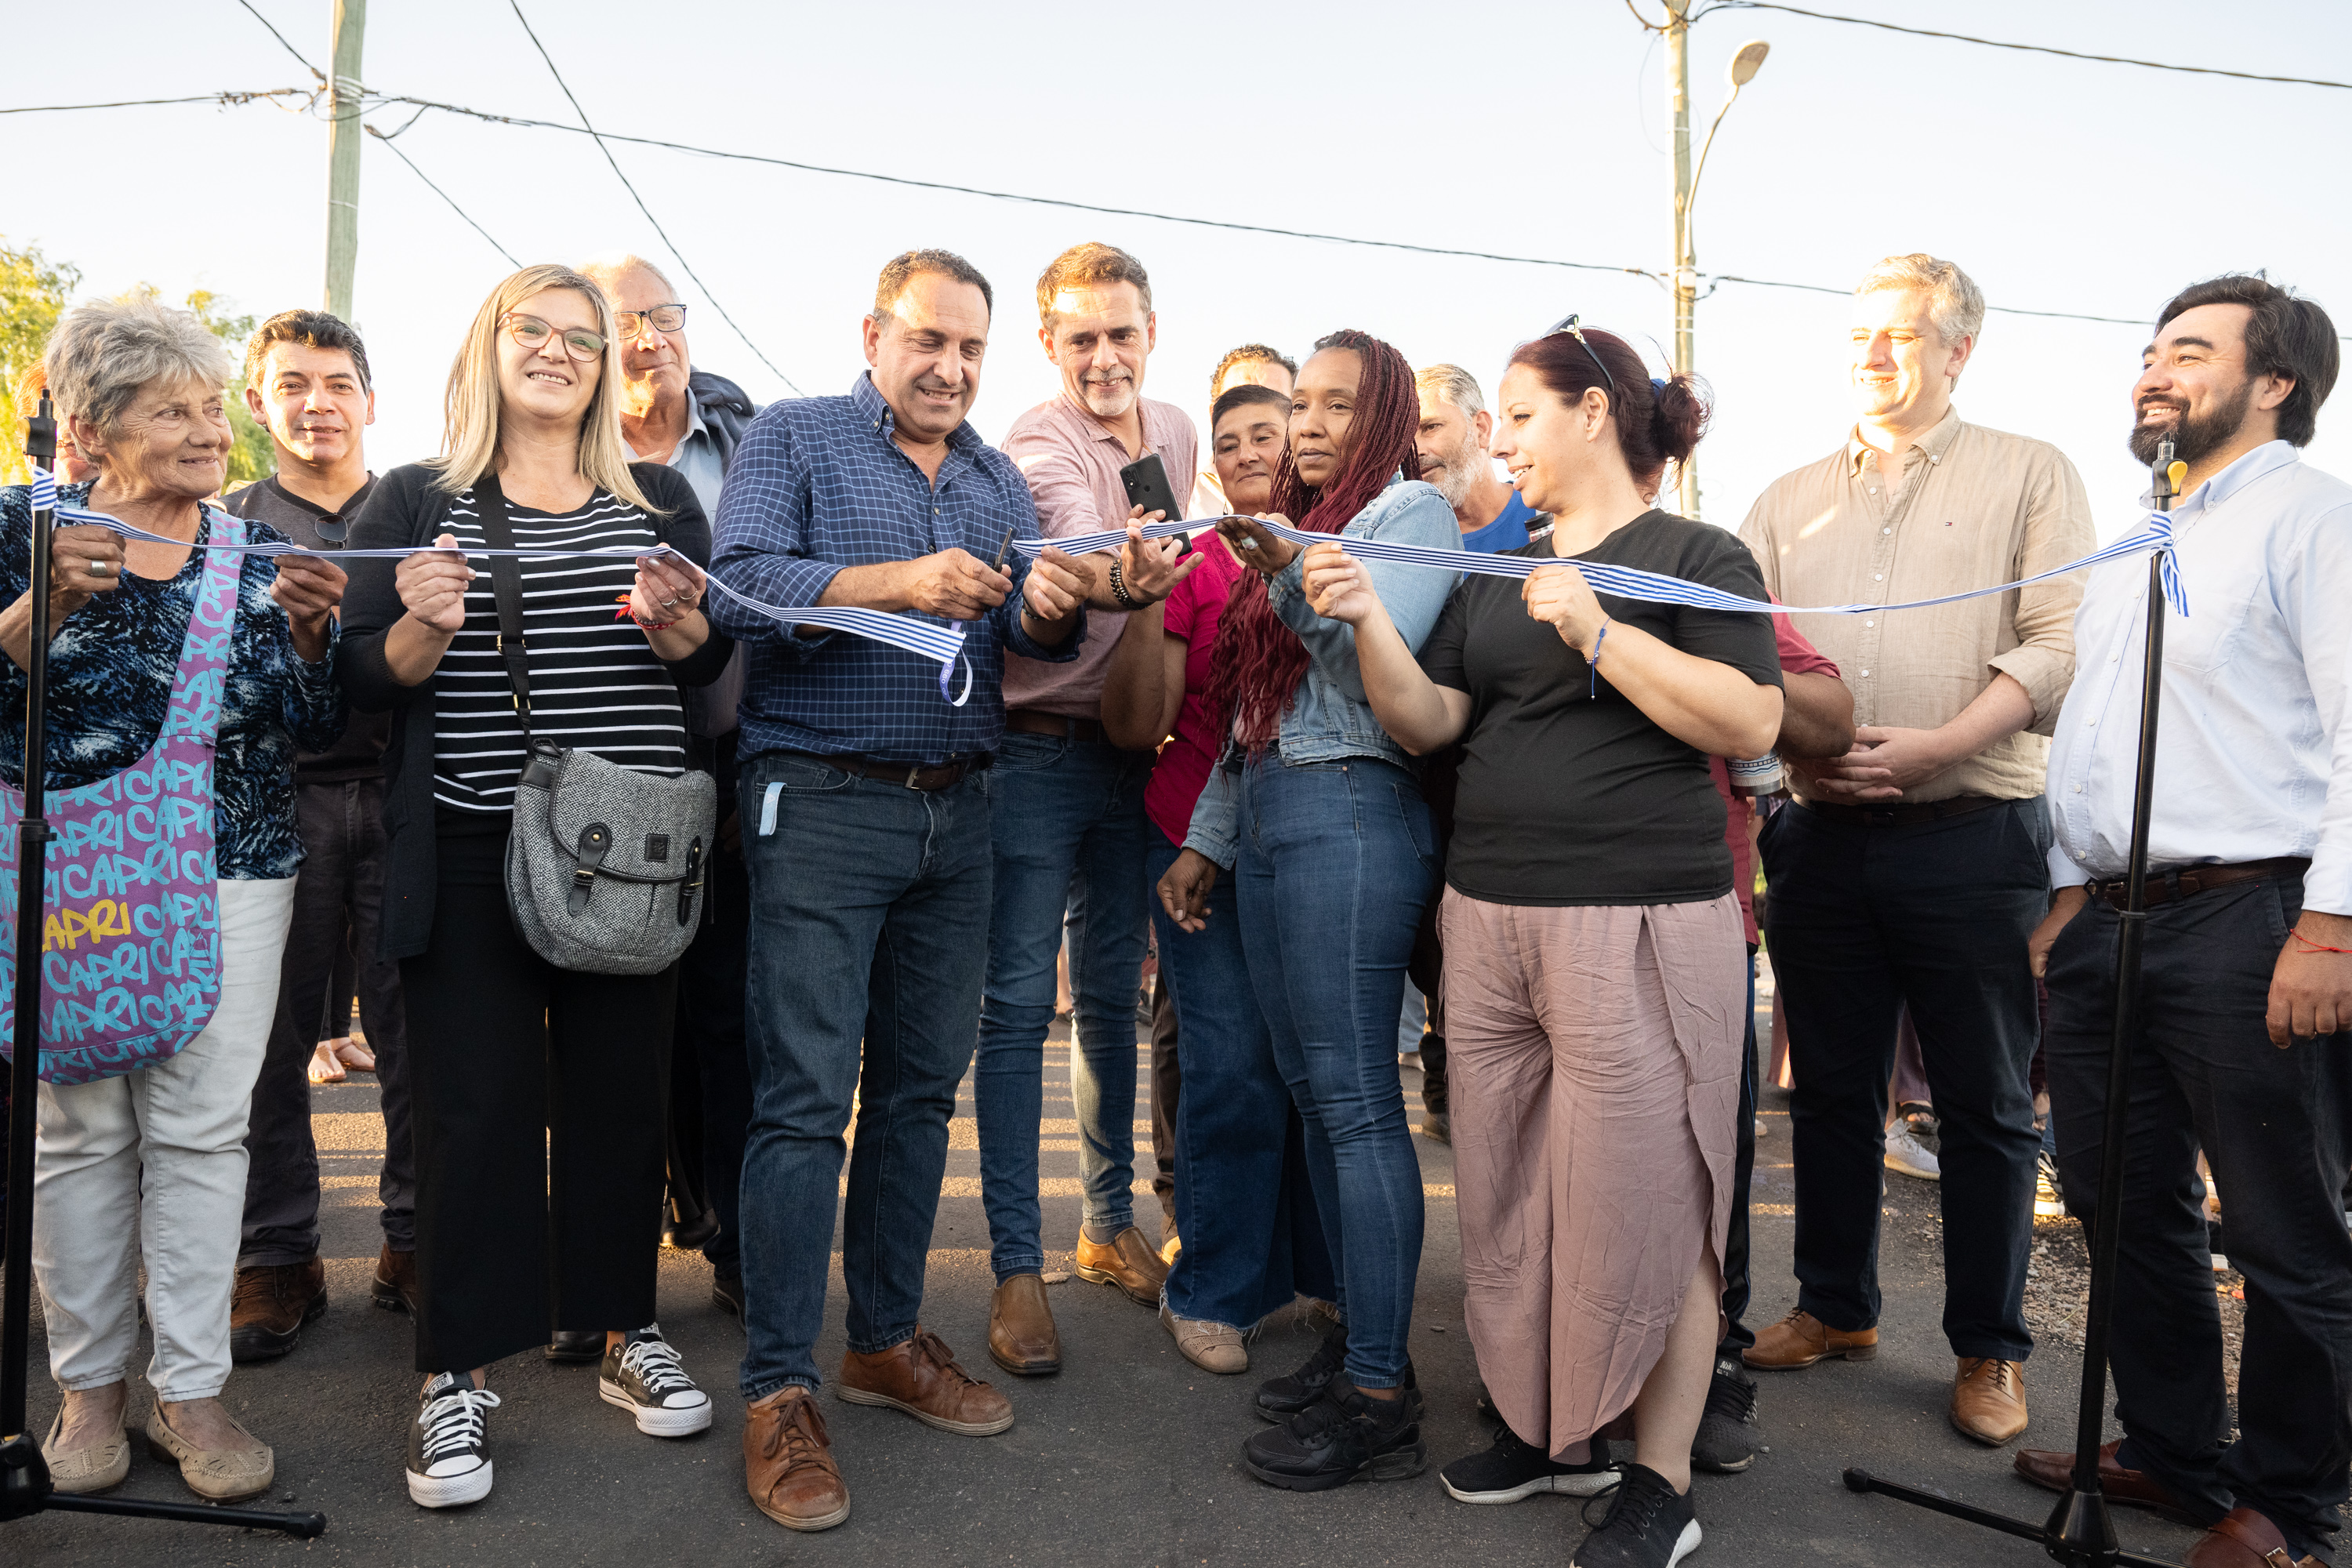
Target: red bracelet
626	613
2311	946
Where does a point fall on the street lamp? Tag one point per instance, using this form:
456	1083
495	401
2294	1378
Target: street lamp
1744	67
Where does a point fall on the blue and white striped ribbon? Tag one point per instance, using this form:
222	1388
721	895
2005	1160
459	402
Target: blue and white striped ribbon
943	644
2154	534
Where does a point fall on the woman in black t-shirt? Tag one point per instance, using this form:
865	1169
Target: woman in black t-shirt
1594	957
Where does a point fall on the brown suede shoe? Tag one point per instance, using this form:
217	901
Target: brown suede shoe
920	1377
1127	1262
787	1464
1988	1399
2133	1489
2244	1539
1800	1339
1022	1338
271	1304
395	1281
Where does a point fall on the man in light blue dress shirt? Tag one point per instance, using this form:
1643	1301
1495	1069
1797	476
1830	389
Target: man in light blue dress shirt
2247	995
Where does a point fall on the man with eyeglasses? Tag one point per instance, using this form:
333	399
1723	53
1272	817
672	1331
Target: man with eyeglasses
692	420
1911	870
307	380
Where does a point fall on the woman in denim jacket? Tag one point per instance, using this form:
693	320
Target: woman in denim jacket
1318	816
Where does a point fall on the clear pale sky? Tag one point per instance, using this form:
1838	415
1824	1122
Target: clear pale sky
1534	129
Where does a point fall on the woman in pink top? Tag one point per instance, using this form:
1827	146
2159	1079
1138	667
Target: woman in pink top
1252	1239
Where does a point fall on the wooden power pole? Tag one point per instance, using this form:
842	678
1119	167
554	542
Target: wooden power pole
343	136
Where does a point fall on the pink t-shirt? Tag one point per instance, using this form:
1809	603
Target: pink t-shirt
1798	657
1183	771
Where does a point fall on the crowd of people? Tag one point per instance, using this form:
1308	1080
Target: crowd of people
1306	776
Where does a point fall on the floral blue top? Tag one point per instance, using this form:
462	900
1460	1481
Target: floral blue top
111	666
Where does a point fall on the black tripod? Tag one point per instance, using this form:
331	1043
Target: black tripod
2079	1531
24	1476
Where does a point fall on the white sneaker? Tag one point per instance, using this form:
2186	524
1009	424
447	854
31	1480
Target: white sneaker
642	1376
448	1451
1904	1153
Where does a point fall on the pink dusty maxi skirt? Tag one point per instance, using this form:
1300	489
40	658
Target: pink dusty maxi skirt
1594	1052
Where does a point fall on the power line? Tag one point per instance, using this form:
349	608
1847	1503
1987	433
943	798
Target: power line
222	97
274	33
2027	49
437	191
665	239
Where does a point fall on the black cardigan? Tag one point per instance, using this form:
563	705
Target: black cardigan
408	511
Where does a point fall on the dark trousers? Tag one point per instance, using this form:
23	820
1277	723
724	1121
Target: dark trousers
1738	1336
2273	1125
1167	1089
338	905
1862	920
711	1077
1440	780
538	1098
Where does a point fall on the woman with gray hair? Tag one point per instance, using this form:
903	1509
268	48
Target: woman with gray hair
182	680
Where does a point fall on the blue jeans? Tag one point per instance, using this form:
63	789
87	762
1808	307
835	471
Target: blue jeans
1069	836
1336	860
868	900
1244	1201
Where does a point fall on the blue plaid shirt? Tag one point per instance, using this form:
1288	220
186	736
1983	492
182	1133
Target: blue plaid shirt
817	485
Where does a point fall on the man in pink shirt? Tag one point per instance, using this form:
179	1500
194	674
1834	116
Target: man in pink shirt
1069	824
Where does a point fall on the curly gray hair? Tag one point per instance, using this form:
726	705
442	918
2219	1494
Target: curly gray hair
103	352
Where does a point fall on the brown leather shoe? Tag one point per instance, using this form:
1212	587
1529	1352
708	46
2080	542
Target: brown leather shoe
787	1464
2133	1489
920	1377
395	1281
2244	1538
1800	1339
271	1304
1988	1399
1127	1262
1022	1338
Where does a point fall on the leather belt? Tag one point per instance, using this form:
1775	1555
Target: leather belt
2165	887
1030	722
1901	816
911	776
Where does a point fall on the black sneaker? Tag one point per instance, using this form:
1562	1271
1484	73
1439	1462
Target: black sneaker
1647	1527
1514	1471
1280	1398
641	1374
1347	1436
448	1451
1726	1443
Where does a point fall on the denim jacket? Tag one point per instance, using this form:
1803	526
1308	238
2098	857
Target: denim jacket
1329	718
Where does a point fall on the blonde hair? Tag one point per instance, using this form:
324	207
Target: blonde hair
469	439
1956	304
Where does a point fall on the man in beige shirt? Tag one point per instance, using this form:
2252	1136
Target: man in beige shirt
1912	870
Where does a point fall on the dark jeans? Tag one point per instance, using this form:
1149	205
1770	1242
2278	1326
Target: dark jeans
1335	865
1167	1078
869	914
338	903
2273	1124
711	1058
1069	846
1862	920
538	1103
1737	1335
1244	1201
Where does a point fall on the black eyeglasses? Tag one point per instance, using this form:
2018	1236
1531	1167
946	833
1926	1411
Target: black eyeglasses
1568	324
630	324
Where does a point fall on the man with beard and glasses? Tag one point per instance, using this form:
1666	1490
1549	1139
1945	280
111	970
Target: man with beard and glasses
1910	870
1070	828
2246	989
1452	438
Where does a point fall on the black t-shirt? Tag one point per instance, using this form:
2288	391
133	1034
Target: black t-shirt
1567	798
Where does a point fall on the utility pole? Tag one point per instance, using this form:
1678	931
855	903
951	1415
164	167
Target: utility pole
1686	273
343	137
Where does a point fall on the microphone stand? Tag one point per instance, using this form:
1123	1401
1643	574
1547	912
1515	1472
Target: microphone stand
24	1488
2080	1531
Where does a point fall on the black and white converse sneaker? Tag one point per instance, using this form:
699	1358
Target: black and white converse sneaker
1726	1443
1513	1471
641	1374
1647	1526
448	1452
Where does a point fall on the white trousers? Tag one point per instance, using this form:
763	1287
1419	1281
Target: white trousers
183	1121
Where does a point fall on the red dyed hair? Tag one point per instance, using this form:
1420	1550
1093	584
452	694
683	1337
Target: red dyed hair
1257	662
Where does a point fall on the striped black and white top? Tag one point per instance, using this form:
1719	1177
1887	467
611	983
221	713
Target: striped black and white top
596	684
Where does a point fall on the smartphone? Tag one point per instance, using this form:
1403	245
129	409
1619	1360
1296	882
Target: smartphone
1146	479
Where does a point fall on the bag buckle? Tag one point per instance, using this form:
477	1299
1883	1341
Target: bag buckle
693	883
595	840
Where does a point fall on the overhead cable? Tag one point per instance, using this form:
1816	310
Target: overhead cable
437	191
274	33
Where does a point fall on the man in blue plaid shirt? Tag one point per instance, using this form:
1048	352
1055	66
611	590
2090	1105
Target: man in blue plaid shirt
864	811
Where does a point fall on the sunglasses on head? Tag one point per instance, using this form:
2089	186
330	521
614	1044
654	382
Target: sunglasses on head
1568	324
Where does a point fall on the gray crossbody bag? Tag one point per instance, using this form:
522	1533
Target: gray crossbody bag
605	866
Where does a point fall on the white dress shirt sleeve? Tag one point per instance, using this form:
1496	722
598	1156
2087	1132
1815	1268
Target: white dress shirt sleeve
2317	589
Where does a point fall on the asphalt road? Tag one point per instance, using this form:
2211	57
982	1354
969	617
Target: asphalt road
1130	1457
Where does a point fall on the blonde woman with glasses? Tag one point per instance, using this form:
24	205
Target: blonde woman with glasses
538	1091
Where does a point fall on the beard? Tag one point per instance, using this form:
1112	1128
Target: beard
1108	399
1459	473
2193	435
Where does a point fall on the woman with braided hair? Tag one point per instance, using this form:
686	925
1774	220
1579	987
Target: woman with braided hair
1318	816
